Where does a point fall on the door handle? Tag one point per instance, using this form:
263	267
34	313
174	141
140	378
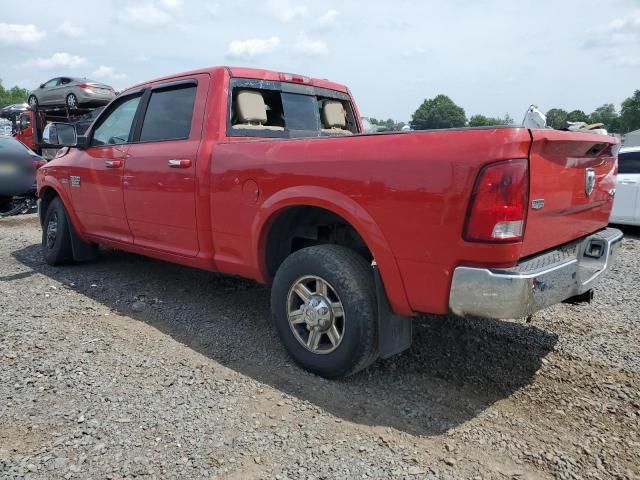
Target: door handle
182	163
113	163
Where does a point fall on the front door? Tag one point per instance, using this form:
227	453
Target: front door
96	177
160	173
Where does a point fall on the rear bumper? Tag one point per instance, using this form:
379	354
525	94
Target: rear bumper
537	282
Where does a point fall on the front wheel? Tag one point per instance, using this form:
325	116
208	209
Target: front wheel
323	302
33	101
56	238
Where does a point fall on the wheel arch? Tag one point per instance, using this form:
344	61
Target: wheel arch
50	189
343	207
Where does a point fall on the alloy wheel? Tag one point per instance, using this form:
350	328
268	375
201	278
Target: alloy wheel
316	314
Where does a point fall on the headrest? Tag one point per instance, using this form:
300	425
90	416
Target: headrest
333	114
250	107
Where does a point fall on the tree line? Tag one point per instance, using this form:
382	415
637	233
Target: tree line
442	112
12	95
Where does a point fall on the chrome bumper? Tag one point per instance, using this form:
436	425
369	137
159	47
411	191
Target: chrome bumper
537	282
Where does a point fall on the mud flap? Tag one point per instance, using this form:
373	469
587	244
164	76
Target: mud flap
82	251
395	332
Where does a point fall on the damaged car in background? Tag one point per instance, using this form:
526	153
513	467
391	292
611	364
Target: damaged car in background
18	167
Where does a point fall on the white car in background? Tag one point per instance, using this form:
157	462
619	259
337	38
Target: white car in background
626	205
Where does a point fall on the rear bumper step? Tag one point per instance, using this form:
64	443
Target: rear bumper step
535	283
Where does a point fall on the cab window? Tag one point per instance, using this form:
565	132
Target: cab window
25	122
116	127
169	114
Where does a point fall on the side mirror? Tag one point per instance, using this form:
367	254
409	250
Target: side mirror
60	135
42	85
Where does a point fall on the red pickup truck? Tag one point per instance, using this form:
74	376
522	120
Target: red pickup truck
268	176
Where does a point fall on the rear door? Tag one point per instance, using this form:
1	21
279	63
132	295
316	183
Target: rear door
160	175
572	183
626	206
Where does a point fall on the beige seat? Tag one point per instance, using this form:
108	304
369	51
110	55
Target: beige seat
252	111
334	118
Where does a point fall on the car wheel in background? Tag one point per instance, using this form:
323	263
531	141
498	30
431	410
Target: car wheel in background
324	306
72	101
33	101
56	238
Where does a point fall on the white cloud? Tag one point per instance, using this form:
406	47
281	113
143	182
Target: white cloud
622	32
308	47
71	30
252	47
285	11
171	4
17	34
107	73
60	59
148	15
328	19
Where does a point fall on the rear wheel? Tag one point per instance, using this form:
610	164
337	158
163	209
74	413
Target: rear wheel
72	101
324	306
33	101
56	239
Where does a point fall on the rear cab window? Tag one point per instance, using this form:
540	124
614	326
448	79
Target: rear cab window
272	109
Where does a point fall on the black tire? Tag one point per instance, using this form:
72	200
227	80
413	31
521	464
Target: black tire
56	250
33	101
351	277
72	101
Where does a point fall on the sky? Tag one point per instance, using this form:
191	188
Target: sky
491	57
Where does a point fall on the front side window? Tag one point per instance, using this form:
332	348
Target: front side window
25	122
629	162
169	114
115	128
51	83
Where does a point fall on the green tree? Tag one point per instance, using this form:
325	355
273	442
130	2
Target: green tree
482	121
577	116
606	114
630	113
388	125
557	118
13	95
438	112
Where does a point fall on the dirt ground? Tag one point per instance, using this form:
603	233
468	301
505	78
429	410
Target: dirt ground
129	367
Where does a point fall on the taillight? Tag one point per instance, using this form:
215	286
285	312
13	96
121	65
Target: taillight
85	85
498	207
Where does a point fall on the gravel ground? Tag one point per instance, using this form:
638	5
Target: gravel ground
130	367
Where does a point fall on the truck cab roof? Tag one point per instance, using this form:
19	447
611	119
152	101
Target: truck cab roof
253	73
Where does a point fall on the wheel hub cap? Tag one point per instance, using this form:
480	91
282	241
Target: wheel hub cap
315	314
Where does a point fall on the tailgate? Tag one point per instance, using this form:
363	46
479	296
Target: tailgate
572	181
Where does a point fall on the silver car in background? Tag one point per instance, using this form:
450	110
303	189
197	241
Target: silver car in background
70	92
